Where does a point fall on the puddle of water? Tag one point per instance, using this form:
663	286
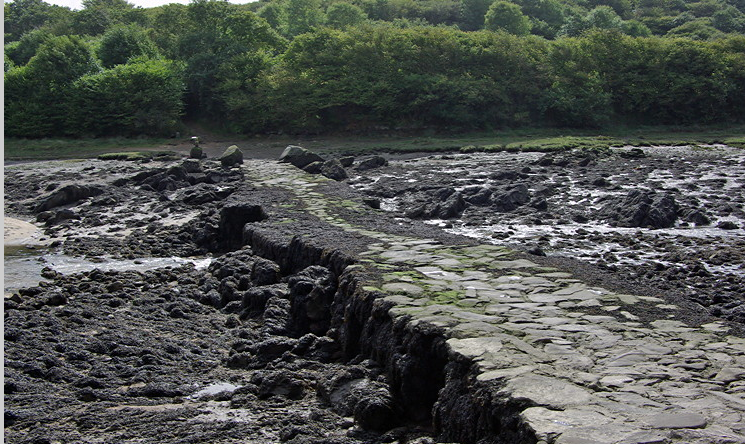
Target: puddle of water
214	389
22	267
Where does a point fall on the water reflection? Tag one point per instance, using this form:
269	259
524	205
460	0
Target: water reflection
23	266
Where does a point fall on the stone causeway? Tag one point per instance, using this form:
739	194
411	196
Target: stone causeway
583	365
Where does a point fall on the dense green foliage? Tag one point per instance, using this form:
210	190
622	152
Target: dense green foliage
355	65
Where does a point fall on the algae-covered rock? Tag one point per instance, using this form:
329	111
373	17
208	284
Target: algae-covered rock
333	169
196	152
232	156
299	156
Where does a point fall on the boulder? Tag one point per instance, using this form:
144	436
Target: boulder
511	198
67	195
727	225
299	156
642	208
232	156
204	193
481	196
698	217
255	299
371	162
372	202
265	272
61	216
333	169
277	316
191	165
196	152
371	403
346	161
313	167
452	207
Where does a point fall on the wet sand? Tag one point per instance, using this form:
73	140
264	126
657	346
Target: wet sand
17	233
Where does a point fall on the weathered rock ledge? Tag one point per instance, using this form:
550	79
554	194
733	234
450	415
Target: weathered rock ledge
491	347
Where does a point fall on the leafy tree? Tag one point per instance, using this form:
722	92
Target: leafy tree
22	16
621	7
214	34
22	50
635	28
578	95
99	15
343	15
37	95
8	63
440	12
122	42
578	100
573	27
705	8
61	60
274	14
142	97
473	13
240	88
169	22
549	11
699	29
603	17
303	16
507	17
546	16
729	19
739	4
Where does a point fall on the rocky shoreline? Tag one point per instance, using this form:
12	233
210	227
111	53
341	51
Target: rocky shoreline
671	217
320	319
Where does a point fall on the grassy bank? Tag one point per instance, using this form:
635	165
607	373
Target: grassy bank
43	149
542	139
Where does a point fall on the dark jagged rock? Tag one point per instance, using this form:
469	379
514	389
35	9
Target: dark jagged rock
255	299
346	161
601	182
511	198
299	156
634	153
312	291
192	165
372	202
371	162
265	272
313	167
481	197
66	195
641	208
727	225
204	193
452	207
333	169
58	216
233	217
698	217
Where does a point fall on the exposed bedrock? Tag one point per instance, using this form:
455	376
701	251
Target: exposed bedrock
640	208
67	195
428	383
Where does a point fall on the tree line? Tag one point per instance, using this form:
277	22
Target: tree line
313	66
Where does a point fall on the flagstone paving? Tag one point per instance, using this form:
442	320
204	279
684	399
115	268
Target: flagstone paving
588	369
